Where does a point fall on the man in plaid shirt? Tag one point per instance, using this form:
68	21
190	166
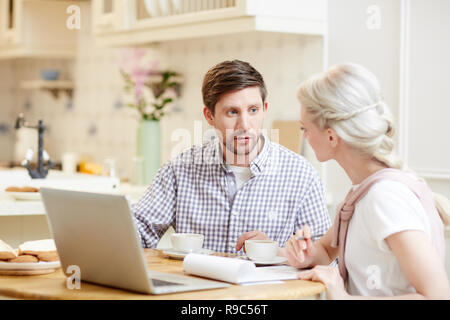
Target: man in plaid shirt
239	186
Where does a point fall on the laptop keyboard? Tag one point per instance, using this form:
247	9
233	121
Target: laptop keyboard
162	283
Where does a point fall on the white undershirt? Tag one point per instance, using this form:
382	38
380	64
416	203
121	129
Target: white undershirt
373	269
242	174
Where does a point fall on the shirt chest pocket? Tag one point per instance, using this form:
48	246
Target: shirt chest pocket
275	217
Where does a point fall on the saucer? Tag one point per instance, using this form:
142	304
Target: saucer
276	260
28	268
29	265
174	254
26	196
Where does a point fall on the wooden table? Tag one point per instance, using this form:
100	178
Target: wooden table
53	286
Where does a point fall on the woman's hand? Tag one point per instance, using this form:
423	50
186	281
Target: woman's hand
330	277
300	253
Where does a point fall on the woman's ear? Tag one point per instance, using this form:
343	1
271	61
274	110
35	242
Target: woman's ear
333	138
208	116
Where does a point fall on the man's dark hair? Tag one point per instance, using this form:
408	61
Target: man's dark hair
229	76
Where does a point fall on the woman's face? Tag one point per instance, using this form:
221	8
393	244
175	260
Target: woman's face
321	140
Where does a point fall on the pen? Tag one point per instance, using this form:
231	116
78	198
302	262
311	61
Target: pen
303	238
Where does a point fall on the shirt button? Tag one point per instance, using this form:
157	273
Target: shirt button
232	245
235	213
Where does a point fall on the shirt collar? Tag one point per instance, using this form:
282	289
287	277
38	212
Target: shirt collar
256	166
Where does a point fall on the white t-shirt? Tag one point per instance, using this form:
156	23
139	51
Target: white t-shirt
373	269
242	174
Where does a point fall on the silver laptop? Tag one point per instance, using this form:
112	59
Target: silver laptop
96	232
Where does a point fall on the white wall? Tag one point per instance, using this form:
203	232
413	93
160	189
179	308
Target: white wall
427	85
350	40
426	88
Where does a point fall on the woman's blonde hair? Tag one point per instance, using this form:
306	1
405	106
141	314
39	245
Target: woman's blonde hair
347	98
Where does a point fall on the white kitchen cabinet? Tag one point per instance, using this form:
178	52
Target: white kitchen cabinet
109	16
145	21
9	21
36	28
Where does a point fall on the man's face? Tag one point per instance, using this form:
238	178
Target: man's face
238	119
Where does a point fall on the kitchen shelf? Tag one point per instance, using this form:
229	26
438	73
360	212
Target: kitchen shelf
207	19
47	52
36	29
54	87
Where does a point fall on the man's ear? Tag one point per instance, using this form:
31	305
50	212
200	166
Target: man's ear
208	116
333	138
265	106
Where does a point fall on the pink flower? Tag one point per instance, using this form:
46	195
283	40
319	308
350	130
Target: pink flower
131	64
139	77
131	58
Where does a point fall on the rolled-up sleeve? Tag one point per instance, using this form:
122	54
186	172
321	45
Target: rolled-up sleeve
155	212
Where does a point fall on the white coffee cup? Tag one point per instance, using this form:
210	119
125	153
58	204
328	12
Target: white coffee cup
187	242
261	250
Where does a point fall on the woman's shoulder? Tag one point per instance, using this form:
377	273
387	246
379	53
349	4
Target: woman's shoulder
388	186
388	196
390	191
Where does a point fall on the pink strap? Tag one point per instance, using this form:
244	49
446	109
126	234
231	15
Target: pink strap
346	209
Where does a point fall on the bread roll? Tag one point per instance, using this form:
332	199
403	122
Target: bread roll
48	256
13	189
29	189
38	247
6	252
24	259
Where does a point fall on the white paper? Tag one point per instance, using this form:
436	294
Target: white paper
219	268
235	270
274	273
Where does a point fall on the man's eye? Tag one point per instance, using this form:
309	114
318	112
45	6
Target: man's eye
303	129
232	112
254	110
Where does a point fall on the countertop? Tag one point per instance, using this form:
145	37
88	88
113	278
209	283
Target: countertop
9	206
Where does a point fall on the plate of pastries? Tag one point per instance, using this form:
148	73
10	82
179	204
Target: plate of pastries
30	258
24	193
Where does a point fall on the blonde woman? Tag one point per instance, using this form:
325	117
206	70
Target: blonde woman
387	235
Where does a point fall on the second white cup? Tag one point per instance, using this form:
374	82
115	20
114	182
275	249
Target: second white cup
261	250
187	242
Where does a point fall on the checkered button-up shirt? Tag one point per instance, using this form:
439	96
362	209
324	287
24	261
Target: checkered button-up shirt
196	193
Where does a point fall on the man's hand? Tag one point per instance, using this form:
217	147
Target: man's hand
253	235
